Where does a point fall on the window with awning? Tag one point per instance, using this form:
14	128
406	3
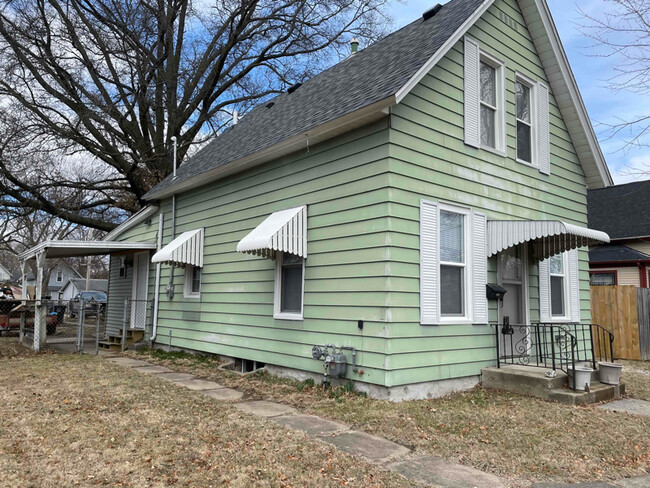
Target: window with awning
283	231
547	237
186	249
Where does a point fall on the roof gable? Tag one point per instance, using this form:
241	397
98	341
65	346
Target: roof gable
372	80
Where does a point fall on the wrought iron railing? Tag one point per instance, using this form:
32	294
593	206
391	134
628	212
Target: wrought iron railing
548	346
553	346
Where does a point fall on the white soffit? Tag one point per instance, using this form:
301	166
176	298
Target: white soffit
186	249
285	231
67	249
548	237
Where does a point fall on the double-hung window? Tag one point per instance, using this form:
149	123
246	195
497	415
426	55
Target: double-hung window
59	276
559	293
453	264
524	92
485	109
289	276
489	108
557	270
192	282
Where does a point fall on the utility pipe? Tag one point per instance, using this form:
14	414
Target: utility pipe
175	149
156	297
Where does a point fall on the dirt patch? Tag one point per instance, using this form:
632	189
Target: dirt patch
519	438
10	347
72	420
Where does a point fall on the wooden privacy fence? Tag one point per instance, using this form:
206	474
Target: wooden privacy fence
625	311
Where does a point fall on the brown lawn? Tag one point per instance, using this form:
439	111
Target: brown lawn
70	420
520	438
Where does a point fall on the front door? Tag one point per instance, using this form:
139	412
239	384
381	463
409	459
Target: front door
512	273
139	294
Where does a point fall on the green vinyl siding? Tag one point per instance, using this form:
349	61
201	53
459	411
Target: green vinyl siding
363	190
120	288
344	184
429	160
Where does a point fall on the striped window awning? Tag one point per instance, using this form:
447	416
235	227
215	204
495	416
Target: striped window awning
285	231
186	249
547	237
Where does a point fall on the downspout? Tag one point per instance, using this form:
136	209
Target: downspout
170	286
156	297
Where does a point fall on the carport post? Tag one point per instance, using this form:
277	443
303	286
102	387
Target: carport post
23	314
40	310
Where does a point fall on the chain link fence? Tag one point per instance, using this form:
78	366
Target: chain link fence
78	326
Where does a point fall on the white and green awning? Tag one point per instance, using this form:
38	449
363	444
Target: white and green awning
547	237
284	231
186	249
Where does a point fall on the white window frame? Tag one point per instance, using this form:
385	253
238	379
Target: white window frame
467	317
59	276
187	288
500	115
534	125
277	298
566	265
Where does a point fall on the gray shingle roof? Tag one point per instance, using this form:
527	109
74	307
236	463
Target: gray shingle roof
371	75
614	253
622	211
95	284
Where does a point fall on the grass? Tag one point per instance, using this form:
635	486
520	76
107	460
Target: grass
636	376
520	438
74	420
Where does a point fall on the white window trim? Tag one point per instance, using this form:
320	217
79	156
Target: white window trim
59	276
500	116
187	288
277	298
467	317
566	268
534	123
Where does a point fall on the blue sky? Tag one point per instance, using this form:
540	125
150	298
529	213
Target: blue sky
604	106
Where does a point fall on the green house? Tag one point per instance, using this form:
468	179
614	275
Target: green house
399	205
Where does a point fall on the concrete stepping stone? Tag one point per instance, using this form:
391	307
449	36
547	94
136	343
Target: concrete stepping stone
595	484
310	424
153	369
198	384
175	376
639	482
128	362
224	394
265	409
633	406
443	474
375	449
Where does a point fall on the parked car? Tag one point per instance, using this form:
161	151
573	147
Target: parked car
91	299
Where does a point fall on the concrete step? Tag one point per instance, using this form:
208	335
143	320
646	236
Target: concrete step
598	392
523	379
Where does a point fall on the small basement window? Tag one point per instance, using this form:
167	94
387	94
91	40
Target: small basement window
192	282
289	280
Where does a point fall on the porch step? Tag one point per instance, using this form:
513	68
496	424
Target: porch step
534	382
114	342
523	379
598	392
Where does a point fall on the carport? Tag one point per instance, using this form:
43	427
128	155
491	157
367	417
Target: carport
65	249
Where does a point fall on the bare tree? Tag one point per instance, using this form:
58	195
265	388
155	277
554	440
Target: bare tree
621	32
116	80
